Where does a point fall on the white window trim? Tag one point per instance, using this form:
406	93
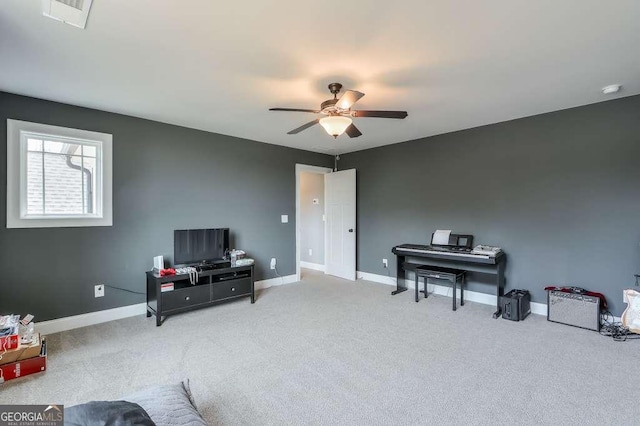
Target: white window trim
16	186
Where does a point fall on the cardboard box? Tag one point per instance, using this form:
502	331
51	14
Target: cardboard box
25	367
22	352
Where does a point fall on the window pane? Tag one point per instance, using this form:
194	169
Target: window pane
50	146
74	161
34	144
34	183
62	184
90	190
72	149
62	148
89	150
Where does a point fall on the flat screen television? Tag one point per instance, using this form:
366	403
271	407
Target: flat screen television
191	246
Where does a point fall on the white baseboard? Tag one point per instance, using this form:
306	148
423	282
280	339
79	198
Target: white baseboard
471	296
271	282
91	318
382	279
314	266
98	317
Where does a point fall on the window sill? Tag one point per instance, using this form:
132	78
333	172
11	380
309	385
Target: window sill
62	222
60	216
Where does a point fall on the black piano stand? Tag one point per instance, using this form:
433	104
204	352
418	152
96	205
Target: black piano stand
498	269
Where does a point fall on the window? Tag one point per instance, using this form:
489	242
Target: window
57	177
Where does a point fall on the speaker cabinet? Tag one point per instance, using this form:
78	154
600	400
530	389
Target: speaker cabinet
516	305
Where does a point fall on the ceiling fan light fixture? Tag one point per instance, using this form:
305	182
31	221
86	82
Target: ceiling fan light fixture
338	113
335	125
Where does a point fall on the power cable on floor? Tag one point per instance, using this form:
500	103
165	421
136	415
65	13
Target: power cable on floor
611	328
124	289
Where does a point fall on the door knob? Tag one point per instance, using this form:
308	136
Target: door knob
351	230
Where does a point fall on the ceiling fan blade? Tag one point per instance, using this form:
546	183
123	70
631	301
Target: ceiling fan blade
349	98
304	127
380	114
353	131
294	109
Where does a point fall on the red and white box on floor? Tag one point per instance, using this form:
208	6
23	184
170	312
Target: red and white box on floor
9	341
24	360
12	341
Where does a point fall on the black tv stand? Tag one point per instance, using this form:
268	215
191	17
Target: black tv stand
214	286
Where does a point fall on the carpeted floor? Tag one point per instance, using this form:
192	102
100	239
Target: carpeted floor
328	351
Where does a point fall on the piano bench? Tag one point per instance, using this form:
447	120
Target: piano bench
448	274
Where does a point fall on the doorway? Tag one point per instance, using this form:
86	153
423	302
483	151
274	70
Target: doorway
310	219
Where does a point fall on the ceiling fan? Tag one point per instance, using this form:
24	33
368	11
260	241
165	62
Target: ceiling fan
338	113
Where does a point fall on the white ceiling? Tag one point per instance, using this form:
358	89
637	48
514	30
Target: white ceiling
219	65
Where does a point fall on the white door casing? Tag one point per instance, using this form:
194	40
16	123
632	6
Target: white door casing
299	169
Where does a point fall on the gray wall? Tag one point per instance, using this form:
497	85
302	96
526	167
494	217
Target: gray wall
165	177
559	192
311	223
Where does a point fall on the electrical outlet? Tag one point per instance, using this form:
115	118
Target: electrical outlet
273	263
99	290
385	263
310	252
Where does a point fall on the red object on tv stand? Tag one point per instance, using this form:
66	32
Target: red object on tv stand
167	272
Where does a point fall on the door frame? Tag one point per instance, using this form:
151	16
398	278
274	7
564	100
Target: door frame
311	169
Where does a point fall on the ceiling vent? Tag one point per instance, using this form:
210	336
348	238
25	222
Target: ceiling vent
72	12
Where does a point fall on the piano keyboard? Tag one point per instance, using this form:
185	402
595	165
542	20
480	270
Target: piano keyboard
446	252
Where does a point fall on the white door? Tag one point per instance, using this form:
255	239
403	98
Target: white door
340	238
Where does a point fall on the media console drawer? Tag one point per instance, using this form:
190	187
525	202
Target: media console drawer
232	288
185	297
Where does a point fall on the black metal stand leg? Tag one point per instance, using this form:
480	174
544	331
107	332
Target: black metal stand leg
158	320
454	294
417	286
148	313
462	291
253	288
499	289
426	283
400	286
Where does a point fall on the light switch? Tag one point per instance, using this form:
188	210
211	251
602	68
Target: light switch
284	218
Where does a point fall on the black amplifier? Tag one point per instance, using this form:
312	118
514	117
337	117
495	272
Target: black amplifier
516	305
